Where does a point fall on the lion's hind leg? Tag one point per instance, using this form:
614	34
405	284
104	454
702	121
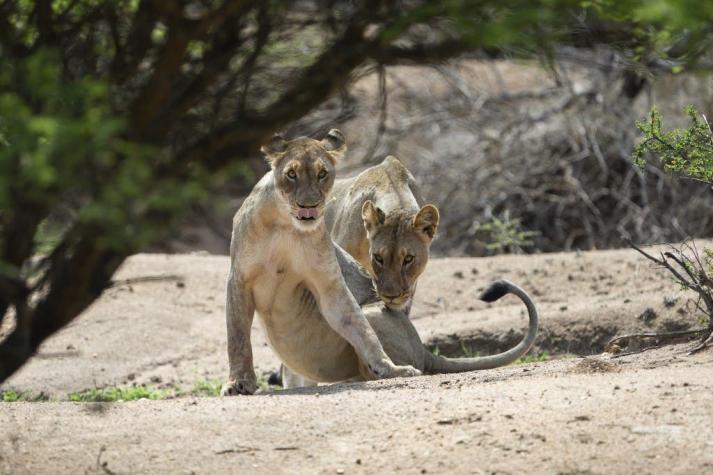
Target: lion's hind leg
290	379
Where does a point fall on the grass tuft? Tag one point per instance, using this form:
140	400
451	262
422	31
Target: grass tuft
538	358
19	396
468	351
201	388
207	388
131	393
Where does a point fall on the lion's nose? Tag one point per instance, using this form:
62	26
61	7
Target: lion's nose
305	205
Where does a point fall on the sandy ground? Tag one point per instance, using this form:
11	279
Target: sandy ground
644	413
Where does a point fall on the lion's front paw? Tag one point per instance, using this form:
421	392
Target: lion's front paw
386	369
404	372
235	388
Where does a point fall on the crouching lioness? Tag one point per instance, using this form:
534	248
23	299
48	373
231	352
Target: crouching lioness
377	217
285	267
403	344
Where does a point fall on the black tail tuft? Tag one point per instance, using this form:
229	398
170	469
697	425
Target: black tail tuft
496	290
275	379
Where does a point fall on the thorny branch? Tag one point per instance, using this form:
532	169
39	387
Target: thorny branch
691	274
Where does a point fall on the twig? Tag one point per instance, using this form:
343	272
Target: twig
662	262
703	345
665	335
629	353
237	450
148	278
103	465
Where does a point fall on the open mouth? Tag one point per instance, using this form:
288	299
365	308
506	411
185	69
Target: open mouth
306	214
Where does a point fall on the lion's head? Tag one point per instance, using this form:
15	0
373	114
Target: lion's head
303	170
399	245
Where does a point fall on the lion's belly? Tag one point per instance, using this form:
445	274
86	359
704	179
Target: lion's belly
299	334
313	350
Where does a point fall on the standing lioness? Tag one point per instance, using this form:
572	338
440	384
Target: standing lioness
285	267
377	218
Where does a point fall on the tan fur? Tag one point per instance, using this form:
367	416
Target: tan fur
403	344
288	272
376	218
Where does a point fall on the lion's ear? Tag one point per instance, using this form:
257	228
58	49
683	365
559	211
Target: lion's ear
426	221
335	144
274	150
372	216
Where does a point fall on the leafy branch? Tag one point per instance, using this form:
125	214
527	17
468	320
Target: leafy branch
685	151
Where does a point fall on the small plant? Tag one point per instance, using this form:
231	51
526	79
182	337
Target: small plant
538	358
687	151
15	396
468	351
506	235
207	388
131	393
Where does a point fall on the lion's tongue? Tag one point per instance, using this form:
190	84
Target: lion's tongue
307	213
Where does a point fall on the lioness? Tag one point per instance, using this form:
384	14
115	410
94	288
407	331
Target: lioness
375	216
285	267
403	344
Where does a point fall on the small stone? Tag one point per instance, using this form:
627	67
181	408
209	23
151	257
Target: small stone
458	275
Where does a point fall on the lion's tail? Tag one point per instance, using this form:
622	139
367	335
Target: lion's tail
496	290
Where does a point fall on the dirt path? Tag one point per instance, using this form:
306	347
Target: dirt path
645	413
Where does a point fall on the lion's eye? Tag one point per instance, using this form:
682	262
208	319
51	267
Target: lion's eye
291	174
408	259
322	174
378	259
